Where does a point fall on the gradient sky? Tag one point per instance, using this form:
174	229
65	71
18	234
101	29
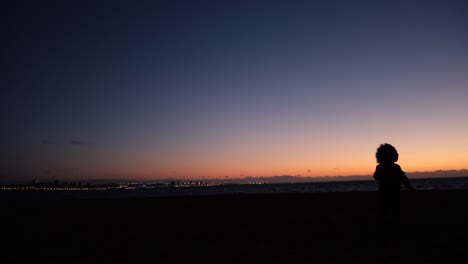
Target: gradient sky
157	89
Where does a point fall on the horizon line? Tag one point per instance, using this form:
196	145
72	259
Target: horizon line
414	174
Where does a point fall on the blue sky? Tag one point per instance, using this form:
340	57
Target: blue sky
211	88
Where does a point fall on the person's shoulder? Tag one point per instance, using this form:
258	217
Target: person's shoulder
397	167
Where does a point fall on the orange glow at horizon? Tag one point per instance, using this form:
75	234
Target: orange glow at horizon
305	165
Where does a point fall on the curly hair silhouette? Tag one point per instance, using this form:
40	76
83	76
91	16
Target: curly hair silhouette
386	153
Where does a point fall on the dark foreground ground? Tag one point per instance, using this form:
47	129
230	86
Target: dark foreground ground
279	228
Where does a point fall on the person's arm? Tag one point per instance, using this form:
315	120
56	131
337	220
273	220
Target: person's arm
377	173
405	181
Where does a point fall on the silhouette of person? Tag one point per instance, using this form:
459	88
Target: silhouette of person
390	176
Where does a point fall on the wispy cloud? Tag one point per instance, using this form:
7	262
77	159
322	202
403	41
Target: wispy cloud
77	142
73	142
46	142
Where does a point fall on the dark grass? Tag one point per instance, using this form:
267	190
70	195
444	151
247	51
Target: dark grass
266	228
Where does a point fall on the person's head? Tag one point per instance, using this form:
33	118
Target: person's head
386	153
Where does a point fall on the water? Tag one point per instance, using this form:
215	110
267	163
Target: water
345	186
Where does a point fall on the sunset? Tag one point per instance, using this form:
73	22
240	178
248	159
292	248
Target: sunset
235	130
216	89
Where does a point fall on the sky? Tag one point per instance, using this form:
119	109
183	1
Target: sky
223	89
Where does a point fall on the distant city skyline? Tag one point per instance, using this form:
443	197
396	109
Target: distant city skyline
213	89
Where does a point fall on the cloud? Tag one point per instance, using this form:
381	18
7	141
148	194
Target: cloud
73	142
77	142
46	142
